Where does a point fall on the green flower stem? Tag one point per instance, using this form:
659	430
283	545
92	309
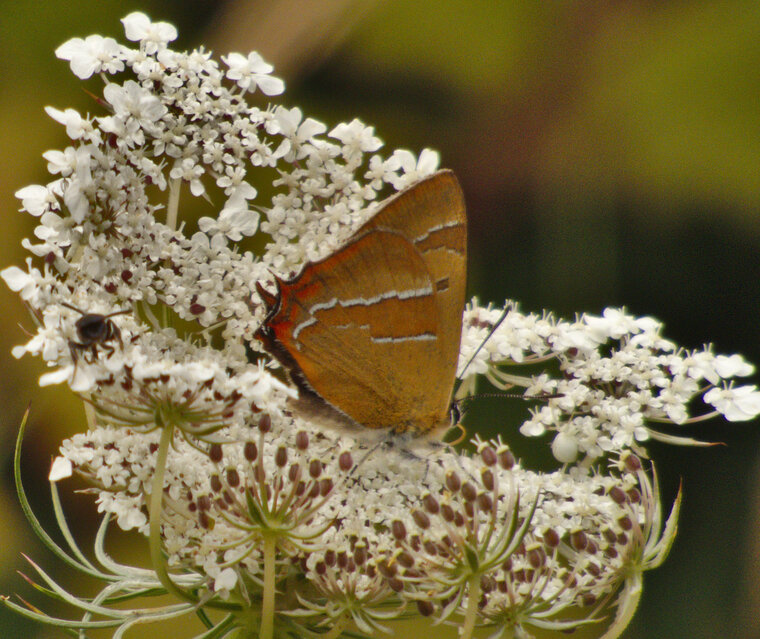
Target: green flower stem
89	412
155	511
471	615
267	605
172	206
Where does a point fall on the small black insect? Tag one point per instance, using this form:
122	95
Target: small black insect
93	330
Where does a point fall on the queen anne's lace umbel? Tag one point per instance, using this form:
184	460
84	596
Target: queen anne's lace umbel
260	514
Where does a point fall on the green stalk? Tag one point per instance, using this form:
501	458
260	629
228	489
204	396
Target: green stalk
267	604
471	615
172	206
154	511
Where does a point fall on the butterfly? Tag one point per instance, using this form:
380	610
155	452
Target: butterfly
370	334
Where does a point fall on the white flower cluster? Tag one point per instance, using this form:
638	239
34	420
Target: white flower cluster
395	531
616	375
150	318
182	121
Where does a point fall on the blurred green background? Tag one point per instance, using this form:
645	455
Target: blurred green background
610	155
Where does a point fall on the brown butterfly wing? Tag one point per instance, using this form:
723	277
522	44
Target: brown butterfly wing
373	330
434	219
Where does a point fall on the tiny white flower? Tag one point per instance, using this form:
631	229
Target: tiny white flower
251	72
289	124
59	376
733	366
235	219
61	469
356	137
18	352
132	100
188	170
22	282
63	162
153	35
536	426
737	404
226	580
16	279
76	125
36	199
615	323
413	169
572	336
76	200
94	54
128	517
428	162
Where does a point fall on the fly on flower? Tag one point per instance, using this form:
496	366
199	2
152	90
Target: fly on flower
93	330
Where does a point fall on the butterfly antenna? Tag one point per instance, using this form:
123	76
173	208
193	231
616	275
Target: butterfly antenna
456	413
490	333
511	396
458	410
